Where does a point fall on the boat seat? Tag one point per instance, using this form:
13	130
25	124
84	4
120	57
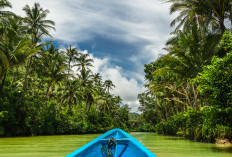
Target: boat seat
119	141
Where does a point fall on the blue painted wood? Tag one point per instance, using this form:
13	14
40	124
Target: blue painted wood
127	146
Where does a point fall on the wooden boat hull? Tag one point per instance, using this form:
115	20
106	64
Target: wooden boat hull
127	146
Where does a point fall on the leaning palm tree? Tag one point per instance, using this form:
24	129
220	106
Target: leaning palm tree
38	26
190	51
4	62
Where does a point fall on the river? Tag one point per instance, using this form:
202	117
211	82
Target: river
59	146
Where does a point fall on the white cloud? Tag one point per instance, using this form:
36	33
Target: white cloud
124	20
144	23
126	88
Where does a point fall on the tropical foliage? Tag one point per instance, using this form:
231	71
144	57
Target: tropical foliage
189	89
45	90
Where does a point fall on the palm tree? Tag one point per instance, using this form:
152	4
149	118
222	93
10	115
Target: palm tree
3	13
52	65
71	93
118	100
108	85
4	62
190	51
84	62
14	47
37	23
208	13
97	79
38	26
72	54
89	92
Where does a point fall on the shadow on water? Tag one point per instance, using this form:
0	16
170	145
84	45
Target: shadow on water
174	138
222	148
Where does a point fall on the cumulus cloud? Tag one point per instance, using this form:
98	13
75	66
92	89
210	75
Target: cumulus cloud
133	21
144	24
126	88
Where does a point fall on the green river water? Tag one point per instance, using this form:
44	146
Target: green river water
59	146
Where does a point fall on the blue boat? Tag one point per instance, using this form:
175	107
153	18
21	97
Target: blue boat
114	143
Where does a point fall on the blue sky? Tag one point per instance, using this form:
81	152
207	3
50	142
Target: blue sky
120	35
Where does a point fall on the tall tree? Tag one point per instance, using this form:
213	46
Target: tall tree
211	13
3	13
108	85
189	51
72	54
37	23
84	62
71	93
14	46
97	79
52	65
38	26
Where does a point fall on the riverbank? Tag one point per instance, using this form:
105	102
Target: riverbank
207	124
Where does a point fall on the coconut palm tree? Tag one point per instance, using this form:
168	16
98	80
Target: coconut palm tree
3	13
37	23
71	93
72	54
190	51
211	13
97	79
52	63
84	62
14	46
38	26
4	62
108	85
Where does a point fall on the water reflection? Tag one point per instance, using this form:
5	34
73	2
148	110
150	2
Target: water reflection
169	146
222	148
59	146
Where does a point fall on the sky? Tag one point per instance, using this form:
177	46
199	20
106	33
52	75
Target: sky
120	35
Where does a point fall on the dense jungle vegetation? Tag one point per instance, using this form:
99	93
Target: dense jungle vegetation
40	92
189	90
45	90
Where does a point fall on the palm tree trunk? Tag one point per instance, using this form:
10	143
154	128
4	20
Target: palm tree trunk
231	16
2	73
86	103
14	75
69	104
27	72
3	80
69	65
222	26
89	108
48	88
